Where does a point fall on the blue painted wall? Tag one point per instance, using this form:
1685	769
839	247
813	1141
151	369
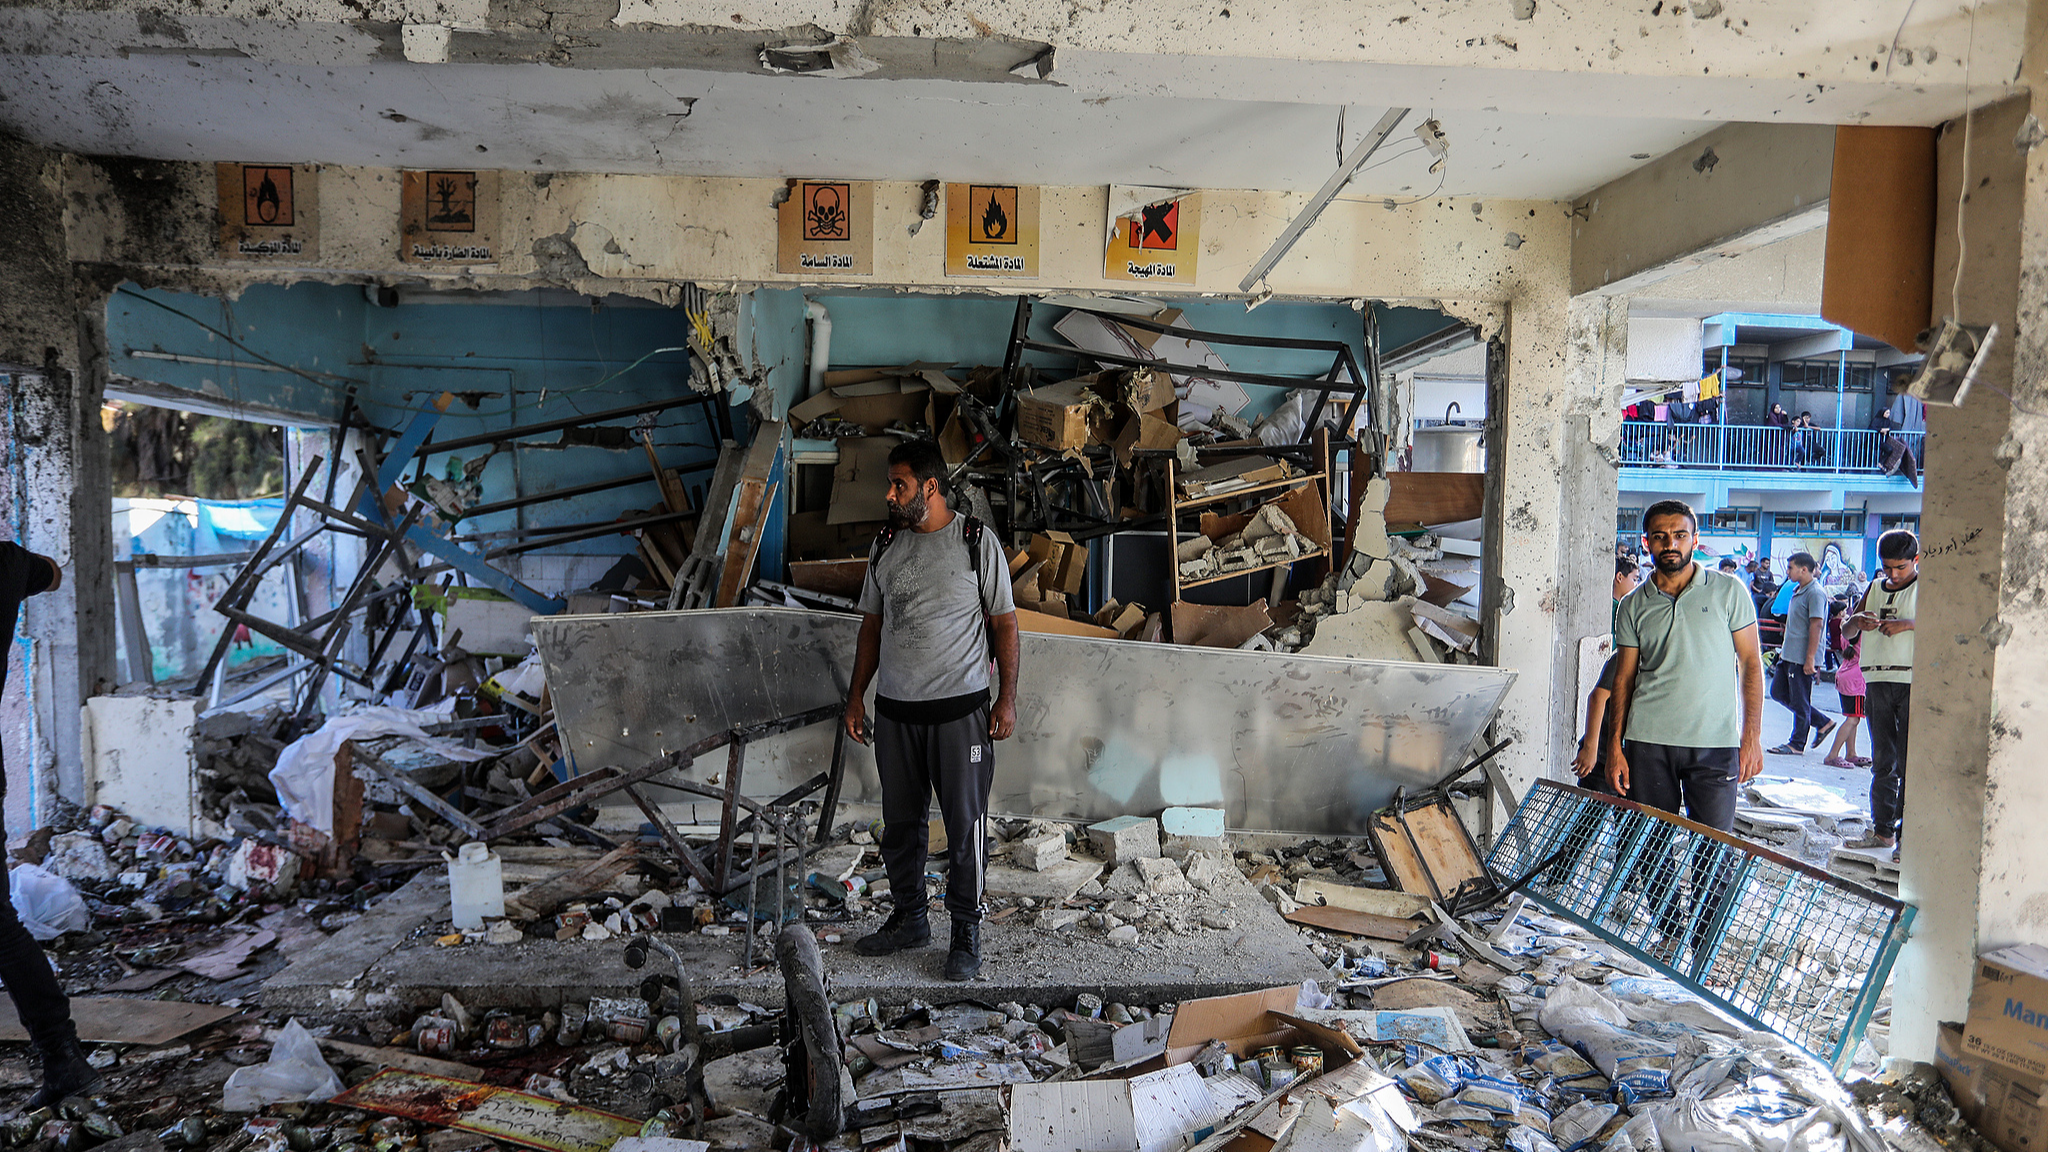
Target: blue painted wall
878	329
508	363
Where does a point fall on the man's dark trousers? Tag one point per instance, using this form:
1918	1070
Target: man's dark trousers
1792	686
1701	784
1889	706
38	998
957	760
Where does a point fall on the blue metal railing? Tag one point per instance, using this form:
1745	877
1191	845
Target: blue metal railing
1777	943
1729	447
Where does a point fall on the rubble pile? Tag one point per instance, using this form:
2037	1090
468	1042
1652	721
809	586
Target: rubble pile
1543	1040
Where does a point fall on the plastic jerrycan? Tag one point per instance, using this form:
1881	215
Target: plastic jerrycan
476	884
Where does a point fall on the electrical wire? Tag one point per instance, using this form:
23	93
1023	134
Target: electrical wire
311	377
1955	291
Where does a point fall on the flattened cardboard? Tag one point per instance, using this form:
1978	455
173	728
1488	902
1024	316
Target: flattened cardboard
121	1020
2008	1021
860	481
1212	626
1031	621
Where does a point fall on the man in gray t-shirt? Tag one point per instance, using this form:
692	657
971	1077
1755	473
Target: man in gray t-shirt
936	611
1806	617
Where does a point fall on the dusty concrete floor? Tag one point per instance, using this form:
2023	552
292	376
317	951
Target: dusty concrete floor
388	961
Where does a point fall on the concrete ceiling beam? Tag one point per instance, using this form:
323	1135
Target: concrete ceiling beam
1808	61
1736	189
1807	347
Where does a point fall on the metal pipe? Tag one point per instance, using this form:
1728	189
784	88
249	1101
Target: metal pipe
821	346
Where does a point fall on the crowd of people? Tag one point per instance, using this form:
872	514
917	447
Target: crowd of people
1787	441
1676	719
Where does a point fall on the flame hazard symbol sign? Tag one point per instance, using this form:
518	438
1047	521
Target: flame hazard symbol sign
992	214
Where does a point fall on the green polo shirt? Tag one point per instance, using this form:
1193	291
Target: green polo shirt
1686	690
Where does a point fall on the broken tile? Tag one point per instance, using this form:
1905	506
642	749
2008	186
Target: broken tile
1162	877
1059	882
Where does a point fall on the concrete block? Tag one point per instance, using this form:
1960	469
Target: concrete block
1124	838
1181	847
1162	877
1191	822
1038	853
1125	936
1205	870
1124	880
79	856
1059	882
1059	919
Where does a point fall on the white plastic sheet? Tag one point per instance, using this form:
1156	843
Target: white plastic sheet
47	903
304	776
295	1071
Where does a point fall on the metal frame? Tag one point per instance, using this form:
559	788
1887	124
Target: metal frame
716	875
1555	813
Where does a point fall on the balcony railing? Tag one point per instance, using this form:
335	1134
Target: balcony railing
1723	447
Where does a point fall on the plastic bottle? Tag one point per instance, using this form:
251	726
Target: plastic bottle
476	885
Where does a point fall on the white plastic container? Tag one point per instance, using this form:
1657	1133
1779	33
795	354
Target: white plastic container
476	884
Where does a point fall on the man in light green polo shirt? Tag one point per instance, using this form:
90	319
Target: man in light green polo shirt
1685	737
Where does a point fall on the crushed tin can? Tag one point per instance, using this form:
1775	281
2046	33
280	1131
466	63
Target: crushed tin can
435	1035
569	1032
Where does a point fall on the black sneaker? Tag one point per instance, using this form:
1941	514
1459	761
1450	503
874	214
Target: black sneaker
963	960
905	928
66	1072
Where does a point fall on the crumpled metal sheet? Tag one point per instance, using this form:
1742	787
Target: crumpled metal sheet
1104	727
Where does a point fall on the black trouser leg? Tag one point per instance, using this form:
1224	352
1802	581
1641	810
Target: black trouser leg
957	760
906	797
1889	707
1700	784
38	999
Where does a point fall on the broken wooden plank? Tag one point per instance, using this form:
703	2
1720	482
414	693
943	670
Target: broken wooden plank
500	1113
1352	923
399	1058
537	900
1378	901
119	1020
413	788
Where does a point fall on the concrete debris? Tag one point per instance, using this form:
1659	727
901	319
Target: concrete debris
1125	838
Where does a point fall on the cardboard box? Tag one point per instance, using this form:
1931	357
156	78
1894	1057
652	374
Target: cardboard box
1057	416
1029	620
1134	389
2005	1107
2009	1009
860	482
1250	1021
1063	561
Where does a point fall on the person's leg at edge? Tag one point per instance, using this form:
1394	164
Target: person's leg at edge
40	1003
1885	704
963	770
906	796
1799	686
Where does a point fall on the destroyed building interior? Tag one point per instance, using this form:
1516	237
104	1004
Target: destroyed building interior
445	746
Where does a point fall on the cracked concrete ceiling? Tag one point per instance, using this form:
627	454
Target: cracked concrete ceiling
1580	92
687	122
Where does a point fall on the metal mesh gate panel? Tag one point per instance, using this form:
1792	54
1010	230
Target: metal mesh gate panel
1778	943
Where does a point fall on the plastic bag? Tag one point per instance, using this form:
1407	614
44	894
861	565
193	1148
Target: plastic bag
295	1071
1571	1002
47	903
